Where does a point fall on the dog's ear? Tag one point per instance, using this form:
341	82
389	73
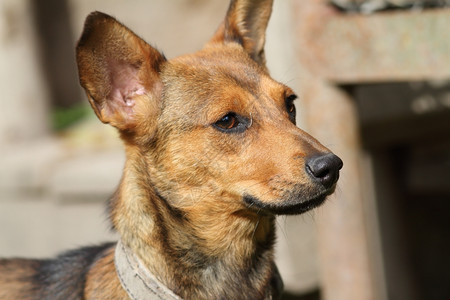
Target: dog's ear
245	23
119	71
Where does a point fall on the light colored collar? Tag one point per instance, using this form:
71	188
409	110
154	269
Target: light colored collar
136	279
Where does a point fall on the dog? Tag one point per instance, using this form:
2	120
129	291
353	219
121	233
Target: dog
212	156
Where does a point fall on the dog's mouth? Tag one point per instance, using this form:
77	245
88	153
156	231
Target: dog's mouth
291	204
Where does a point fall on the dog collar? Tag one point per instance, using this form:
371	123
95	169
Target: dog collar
136	279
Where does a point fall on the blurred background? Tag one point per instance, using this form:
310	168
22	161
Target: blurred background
373	79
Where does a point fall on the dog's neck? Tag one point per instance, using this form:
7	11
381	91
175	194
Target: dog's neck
203	256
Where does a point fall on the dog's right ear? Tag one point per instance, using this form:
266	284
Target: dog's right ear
245	23
120	73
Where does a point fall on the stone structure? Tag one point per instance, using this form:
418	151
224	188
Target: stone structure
334	49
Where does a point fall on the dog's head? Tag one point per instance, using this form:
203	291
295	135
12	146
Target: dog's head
213	126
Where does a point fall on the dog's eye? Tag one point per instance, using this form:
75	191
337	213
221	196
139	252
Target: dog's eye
231	122
290	107
228	121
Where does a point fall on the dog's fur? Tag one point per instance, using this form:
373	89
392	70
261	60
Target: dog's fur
213	154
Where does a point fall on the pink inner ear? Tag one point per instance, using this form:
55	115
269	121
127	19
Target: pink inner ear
125	85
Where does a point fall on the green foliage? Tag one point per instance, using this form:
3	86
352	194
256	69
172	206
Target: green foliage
63	118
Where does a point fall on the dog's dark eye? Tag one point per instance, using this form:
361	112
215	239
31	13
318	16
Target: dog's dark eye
228	121
290	107
231	122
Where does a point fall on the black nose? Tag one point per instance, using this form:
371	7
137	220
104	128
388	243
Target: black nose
324	168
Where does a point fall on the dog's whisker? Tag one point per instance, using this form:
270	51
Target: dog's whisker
256	227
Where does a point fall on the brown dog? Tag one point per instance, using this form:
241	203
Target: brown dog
213	154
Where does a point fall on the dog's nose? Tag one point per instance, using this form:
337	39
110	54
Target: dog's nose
324	168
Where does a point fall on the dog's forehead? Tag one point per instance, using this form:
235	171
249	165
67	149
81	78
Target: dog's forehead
214	74
218	68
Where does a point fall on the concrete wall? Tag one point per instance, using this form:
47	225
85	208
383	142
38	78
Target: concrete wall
24	98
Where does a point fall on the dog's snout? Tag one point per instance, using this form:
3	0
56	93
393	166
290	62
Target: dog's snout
324	168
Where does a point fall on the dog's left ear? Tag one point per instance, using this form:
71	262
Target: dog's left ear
245	23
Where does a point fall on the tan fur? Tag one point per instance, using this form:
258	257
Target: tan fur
102	281
197	202
10	286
